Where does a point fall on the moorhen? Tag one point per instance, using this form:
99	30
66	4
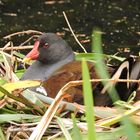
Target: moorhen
55	65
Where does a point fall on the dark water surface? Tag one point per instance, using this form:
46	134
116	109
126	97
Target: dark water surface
118	19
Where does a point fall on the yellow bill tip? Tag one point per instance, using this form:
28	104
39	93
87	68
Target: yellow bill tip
26	60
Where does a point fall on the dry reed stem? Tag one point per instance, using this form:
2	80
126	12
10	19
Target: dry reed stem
8	55
6	46
20	129
22	32
73	32
17	48
23	124
79	82
9	71
28	39
55	135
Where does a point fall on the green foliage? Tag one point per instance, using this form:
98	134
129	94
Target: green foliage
76	132
93	55
88	101
18	117
2	137
64	130
100	66
130	129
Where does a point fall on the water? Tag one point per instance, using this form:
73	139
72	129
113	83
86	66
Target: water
119	21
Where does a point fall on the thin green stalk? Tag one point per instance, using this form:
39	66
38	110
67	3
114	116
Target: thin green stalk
100	66
88	101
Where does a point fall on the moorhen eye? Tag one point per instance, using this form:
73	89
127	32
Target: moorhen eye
56	66
46	45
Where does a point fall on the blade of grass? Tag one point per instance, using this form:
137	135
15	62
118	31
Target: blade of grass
88	101
21	84
19	54
31	96
130	129
76	132
100	66
91	56
114	134
18	117
19	73
2	137
64	129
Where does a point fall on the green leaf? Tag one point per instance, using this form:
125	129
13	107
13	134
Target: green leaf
2	137
64	129
100	67
113	134
2	81
88	101
18	54
31	96
92	56
76	132
18	117
1	57
20	84
19	73
130	129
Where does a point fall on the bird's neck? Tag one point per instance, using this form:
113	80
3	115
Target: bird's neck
59	64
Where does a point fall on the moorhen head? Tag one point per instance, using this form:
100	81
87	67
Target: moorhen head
50	52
